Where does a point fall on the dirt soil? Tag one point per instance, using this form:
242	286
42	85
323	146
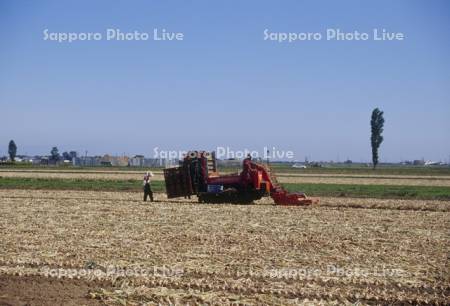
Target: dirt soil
341	252
42	291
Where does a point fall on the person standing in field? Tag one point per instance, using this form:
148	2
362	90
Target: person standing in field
147	186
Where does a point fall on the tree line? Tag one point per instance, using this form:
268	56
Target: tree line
376	138
54	153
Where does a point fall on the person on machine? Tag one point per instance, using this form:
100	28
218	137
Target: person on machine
249	157
247	169
246	164
148	187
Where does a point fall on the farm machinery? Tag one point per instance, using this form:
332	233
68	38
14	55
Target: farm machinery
197	175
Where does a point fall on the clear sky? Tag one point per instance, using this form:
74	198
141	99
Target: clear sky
223	84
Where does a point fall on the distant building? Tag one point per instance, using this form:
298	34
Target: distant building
418	162
141	161
87	161
299	166
121	161
137	161
73	154
44	160
433	163
158	162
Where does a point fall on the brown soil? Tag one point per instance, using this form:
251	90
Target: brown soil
388	252
42	291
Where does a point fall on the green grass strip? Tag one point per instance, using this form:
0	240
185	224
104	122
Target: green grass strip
76	184
372	191
312	189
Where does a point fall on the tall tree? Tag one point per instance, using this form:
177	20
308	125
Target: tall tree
66	156
73	154
12	150
376	123
54	154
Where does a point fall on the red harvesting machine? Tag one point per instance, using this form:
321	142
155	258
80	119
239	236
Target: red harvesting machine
197	175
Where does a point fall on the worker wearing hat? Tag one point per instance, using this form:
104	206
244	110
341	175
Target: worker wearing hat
147	186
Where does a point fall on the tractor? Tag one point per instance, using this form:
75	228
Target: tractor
197	175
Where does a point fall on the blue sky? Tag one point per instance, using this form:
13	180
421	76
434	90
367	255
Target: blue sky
224	85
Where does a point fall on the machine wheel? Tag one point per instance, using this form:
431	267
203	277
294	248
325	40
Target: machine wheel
229	196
